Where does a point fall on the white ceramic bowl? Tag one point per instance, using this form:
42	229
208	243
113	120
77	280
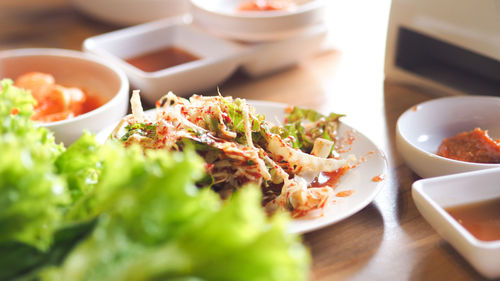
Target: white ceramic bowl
77	69
422	128
222	18
130	12
432	195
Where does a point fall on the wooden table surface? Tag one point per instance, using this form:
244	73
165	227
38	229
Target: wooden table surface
387	240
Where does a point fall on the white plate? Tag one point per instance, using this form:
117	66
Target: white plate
359	179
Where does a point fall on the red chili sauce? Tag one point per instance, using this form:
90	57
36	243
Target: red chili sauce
162	59
474	146
481	219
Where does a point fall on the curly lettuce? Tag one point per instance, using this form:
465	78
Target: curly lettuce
155	224
15	101
105	212
32	194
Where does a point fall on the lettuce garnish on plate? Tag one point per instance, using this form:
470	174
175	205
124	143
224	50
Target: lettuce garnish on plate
306	125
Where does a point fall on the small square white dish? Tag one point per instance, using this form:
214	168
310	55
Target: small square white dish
218	58
433	195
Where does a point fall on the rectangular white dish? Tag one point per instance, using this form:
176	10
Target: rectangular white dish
219	58
432	195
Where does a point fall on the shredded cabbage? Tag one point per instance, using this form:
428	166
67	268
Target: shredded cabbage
248	148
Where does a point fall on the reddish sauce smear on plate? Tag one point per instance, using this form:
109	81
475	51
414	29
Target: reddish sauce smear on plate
344	193
474	146
55	102
329	178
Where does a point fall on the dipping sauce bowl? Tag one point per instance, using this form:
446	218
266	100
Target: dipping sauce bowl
89	73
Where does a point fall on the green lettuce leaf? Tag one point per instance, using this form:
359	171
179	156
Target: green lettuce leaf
156	225
80	165
15	101
142	129
302	136
235	113
32	194
301	114
21	261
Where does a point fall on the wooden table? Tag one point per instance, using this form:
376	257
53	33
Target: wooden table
387	240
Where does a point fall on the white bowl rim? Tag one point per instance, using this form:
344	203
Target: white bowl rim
311	5
124	84
430	154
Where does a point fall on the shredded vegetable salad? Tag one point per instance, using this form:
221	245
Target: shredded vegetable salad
239	146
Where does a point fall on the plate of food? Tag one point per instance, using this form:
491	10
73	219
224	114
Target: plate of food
312	165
